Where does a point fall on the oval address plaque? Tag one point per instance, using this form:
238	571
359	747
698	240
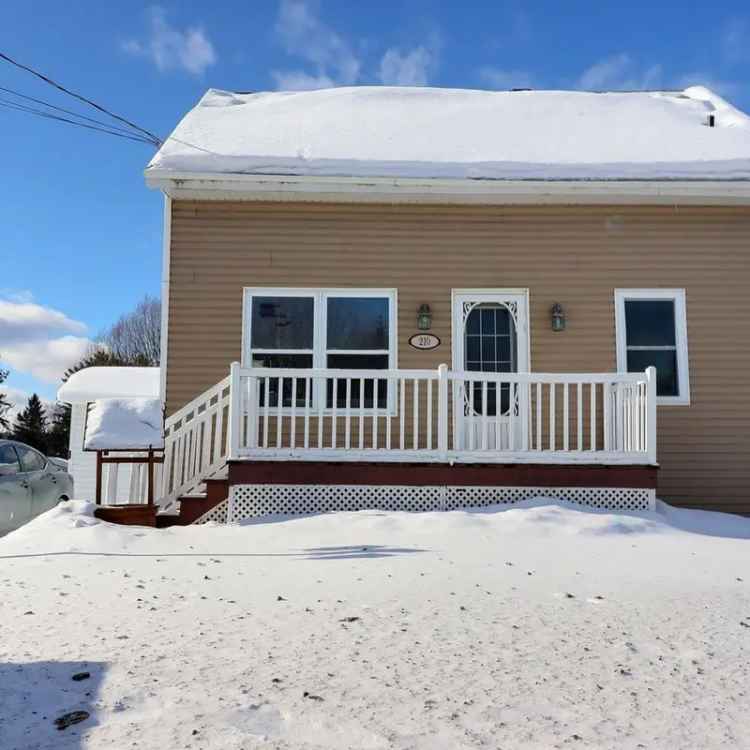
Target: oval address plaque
424	341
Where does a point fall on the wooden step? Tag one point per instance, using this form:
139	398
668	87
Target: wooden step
127	515
193	506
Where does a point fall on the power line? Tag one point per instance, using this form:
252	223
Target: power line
66	111
153	138
49	116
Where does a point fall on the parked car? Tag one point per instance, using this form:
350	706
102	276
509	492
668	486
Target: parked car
30	483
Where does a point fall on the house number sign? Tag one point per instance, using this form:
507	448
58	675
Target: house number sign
424	341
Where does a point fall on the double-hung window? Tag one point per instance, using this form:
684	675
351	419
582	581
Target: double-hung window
343	329
652	331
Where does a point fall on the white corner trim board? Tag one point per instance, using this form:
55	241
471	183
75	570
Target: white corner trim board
165	267
256	500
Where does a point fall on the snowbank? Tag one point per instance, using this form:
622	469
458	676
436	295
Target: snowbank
452	133
120	424
94	383
533	626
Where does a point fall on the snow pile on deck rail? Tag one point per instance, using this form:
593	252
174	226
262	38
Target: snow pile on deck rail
93	383
122	424
455	133
533	626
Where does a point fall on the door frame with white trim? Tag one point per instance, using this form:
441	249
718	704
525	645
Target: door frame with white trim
463	302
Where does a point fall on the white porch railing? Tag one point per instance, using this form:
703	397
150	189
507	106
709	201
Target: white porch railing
441	416
195	443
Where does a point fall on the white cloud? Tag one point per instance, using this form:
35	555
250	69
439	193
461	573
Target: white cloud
506	79
172	48
298	80
620	73
735	41
408	68
40	340
18	398
304	35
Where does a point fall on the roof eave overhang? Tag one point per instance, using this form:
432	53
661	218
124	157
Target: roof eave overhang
255	187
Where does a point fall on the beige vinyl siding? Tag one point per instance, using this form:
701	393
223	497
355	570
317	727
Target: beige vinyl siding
573	255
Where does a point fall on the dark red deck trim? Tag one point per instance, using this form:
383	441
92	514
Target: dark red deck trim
416	474
127	515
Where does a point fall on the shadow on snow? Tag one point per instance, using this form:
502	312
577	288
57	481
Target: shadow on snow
34	694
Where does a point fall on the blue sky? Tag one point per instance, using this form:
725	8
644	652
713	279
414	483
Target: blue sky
81	239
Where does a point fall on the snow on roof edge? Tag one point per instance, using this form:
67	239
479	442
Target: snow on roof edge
284	134
93	383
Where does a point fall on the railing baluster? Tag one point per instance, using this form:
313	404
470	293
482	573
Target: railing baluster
498	414
415	409
592	416
402	413
361	413
566	417
266	404
252	419
334	399
348	415
485	425
429	414
219	438
389	393
471	416
375	383
306	436
607	414
293	427
552	415
539	416
322	396
512	395
280	408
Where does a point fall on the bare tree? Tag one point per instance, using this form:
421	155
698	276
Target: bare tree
136	337
4	404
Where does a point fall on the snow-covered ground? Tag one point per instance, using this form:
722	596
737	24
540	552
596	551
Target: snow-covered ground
536	626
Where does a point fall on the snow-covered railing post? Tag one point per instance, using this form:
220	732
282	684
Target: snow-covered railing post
234	427
443	411
651	414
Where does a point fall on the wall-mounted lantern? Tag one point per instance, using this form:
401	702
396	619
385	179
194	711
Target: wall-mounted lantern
424	318
558	317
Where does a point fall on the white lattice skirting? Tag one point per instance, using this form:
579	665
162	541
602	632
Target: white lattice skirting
253	500
218	513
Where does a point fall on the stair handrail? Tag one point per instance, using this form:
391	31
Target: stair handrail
195	442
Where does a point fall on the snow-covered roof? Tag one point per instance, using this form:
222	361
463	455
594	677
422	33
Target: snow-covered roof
122	424
403	132
94	383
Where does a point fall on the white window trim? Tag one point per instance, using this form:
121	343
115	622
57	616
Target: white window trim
320	349
681	339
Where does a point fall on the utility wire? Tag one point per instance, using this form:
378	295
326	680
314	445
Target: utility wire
66	111
50	116
152	137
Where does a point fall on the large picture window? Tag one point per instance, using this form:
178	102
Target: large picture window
652	331
348	329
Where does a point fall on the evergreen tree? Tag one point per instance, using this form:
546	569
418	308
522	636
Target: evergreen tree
31	425
58	434
4	405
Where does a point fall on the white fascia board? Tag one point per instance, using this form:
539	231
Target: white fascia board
198	186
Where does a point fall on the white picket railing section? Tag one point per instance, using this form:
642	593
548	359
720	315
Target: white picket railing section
438	415
195	442
133	477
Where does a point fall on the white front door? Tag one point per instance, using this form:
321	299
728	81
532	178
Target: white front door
490	335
